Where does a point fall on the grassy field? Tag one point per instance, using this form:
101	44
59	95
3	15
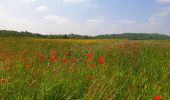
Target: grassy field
58	69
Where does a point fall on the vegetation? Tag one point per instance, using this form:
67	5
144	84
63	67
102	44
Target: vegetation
83	69
130	36
136	36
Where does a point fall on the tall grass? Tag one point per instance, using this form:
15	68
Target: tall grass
132	70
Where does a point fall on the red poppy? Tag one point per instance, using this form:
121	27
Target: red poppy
40	57
10	56
101	60
53	53
52	58
67	53
157	98
89	54
65	60
92	66
90	77
1	56
73	59
27	66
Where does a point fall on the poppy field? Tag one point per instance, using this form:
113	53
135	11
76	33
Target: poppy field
84	69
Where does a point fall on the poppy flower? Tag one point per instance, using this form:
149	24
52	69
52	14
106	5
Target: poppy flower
67	53
40	57
53	53
89	54
90	77
52	58
101	60
157	98
73	59
27	66
1	56
65	60
92	66
10	56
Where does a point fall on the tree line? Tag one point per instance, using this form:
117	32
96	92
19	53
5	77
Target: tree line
130	36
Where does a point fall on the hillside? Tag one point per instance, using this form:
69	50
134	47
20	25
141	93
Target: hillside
130	36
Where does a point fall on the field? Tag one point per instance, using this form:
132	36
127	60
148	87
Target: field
92	69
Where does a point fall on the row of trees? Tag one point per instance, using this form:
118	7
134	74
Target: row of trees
136	36
131	36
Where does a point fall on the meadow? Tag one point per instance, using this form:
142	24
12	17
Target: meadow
84	69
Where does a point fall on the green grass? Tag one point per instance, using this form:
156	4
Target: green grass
132	70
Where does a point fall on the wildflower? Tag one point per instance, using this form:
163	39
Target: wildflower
52	58
92	66
27	66
53	53
1	56
90	77
89	54
134	45
67	53
40	57
101	60
73	59
157	98
65	60
10	56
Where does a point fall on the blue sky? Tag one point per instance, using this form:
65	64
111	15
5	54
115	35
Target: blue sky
91	17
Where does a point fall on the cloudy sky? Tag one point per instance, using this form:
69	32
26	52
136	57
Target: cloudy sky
90	17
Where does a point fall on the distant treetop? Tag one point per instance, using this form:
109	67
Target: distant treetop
130	36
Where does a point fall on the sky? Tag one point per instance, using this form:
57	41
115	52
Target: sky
85	17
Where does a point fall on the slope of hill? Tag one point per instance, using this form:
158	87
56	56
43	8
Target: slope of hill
131	36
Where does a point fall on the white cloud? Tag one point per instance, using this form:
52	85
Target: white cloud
57	19
16	1
94	5
2	10
157	17
159	21
94	21
51	24
28	0
126	22
164	1
155	24
2	13
2	6
42	8
19	24
164	11
74	1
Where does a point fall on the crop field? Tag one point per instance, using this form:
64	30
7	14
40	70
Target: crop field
84	69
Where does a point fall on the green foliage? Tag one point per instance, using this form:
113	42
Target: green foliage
132	70
130	36
135	36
